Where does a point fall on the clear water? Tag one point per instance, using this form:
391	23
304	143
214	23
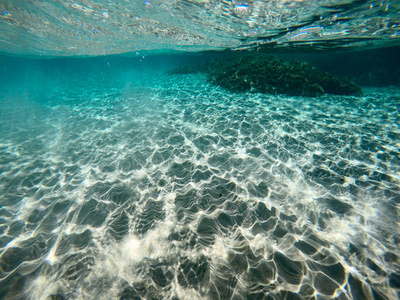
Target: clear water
119	181
170	187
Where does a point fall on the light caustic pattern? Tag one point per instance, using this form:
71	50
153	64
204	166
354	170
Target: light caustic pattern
174	189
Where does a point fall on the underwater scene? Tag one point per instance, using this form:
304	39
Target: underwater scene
200	149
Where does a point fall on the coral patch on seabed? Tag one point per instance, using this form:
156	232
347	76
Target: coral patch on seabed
267	74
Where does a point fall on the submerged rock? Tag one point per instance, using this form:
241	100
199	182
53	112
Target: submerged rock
266	74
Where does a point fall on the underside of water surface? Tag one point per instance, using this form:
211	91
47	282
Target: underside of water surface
83	27
122	178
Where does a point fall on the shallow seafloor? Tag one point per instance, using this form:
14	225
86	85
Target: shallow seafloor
167	187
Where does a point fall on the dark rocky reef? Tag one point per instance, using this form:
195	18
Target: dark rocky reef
270	75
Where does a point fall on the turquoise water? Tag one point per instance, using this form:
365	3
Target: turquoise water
136	184
119	180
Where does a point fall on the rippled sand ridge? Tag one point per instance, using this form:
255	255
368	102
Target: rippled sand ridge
171	188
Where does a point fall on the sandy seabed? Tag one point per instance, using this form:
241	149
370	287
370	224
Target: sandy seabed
171	188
